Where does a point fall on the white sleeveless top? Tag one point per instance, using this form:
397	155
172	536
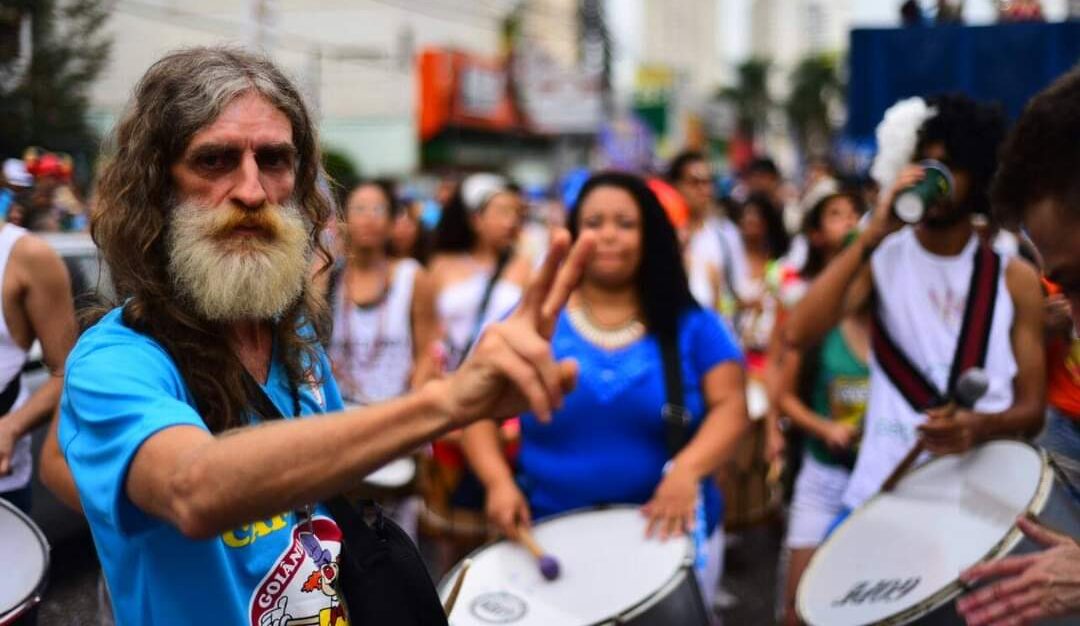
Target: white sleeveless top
921	301
372	346
12	359
458	305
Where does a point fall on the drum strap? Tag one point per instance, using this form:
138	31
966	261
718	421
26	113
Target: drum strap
674	412
971	345
677	430
10	394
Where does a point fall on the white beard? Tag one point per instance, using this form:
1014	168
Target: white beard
232	278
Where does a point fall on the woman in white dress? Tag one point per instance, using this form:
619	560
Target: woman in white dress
384	315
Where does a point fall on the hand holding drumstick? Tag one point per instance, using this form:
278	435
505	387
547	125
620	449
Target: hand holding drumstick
951	428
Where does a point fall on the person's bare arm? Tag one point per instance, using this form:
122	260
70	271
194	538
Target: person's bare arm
54	471
724	425
504	503
50	313
1025	416
480	442
425	329
834	434
671	509
846	285
204	484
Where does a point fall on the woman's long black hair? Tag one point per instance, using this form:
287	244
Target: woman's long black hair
454	233
662	286
776	236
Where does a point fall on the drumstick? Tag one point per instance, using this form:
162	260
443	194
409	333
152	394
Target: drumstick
451	600
971	386
549	566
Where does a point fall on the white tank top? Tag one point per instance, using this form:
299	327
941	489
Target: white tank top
372	346
921	300
458	305
12	359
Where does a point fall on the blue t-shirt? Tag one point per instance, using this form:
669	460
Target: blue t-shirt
607	444
121	387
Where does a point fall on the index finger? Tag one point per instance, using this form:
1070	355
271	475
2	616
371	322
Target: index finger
536	292
566	280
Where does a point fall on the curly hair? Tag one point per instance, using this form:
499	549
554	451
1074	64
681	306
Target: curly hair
179	95
1040	158
662	285
971	133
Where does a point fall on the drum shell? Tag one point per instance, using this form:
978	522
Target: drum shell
1060	511
11	614
679	602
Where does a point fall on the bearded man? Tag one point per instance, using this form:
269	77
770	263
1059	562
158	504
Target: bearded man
208	217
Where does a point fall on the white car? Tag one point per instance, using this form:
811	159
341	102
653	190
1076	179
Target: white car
88	276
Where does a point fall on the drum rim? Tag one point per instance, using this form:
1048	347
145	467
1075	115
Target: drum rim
950	591
686	562
35	594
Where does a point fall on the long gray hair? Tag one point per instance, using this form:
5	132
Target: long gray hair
179	95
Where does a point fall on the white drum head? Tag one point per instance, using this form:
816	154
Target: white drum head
899	555
26	558
606	567
396	473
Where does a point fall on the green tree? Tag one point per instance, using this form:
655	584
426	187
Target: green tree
44	102
750	96
816	90
342	172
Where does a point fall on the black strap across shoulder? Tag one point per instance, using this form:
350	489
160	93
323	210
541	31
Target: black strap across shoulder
675	414
971	345
10	394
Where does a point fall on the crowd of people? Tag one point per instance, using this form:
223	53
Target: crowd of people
527	370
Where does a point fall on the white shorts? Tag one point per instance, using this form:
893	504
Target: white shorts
816	502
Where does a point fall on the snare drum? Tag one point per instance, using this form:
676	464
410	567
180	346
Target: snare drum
609	574
895	560
26	563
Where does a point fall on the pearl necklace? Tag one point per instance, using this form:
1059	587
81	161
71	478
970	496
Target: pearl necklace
607	338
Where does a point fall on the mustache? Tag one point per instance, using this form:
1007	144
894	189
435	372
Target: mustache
267	221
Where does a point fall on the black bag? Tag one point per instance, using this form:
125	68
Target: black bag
382	575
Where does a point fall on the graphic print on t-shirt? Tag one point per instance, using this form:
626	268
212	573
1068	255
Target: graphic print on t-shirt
300	589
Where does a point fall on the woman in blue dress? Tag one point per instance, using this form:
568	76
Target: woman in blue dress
607	443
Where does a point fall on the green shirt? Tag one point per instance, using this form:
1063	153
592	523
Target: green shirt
841	390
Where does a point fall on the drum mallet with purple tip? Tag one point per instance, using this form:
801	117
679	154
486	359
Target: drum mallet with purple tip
549	566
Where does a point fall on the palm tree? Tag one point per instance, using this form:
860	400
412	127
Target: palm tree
816	91
750	96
